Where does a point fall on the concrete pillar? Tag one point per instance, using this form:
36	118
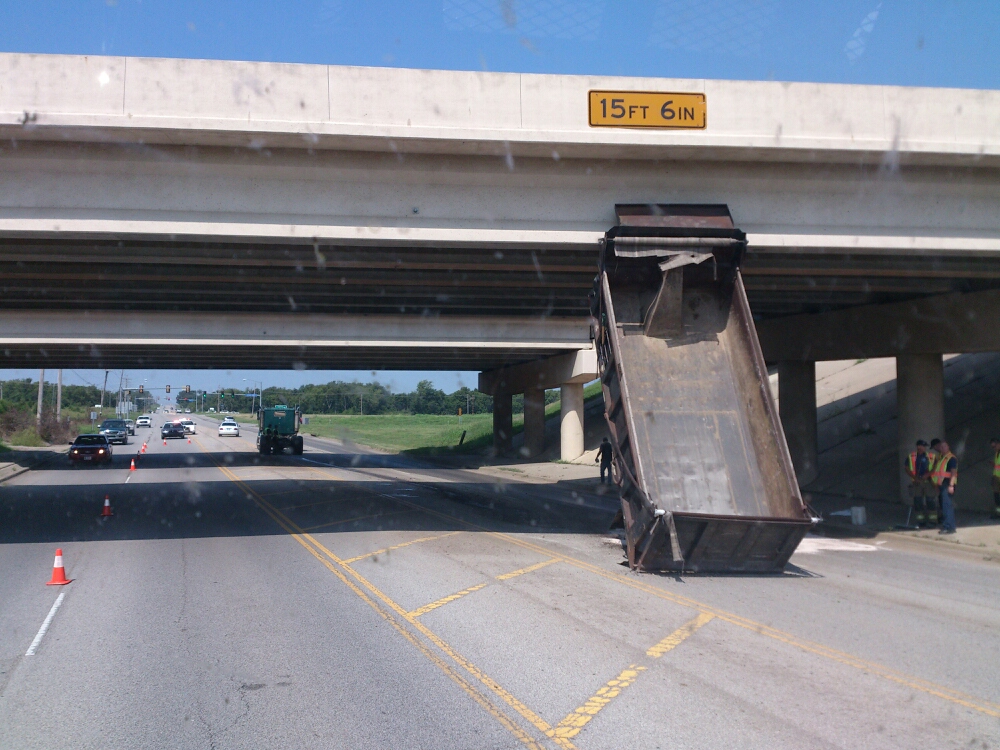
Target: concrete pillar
919	405
503	422
534	421
797	409
571	421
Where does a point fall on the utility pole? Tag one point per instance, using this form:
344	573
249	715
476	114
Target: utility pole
103	389
59	396
118	404
41	391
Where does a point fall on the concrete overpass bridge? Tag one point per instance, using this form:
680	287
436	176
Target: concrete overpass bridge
169	213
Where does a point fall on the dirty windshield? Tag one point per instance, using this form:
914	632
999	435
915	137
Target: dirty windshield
500	373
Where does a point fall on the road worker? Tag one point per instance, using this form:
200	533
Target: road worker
995	445
605	454
922	490
934	511
945	476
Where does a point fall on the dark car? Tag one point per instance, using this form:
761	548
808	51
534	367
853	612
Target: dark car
116	430
90	449
172	430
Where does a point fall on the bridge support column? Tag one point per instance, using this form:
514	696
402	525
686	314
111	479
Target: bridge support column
797	409
919	405
503	422
571	440
566	371
534	422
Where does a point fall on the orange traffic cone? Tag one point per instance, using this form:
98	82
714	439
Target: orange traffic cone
107	506
132	467
189	441
58	572
143	447
164	443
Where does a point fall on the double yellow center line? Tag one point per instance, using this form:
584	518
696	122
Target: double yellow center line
392	612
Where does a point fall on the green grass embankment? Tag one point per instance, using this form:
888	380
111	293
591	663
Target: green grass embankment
419	434
412	433
27	438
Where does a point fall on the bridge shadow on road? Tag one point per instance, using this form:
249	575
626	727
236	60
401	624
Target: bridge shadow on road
185	495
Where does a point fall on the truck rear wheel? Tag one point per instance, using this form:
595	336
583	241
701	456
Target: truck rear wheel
297	445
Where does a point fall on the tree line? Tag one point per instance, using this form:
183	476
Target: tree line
335	397
23	394
339	397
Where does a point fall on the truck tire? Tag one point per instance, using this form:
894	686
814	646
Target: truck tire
297	445
263	448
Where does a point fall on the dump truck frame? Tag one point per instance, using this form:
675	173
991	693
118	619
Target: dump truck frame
700	458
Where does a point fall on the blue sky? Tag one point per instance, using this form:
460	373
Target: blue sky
911	43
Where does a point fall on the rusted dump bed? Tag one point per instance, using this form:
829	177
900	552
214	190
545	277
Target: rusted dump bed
701	461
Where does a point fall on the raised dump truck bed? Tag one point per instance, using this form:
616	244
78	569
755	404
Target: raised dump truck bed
705	477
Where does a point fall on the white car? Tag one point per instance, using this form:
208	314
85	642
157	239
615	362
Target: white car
143	421
189	426
229	427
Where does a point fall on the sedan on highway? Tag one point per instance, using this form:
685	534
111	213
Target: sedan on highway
172	430
189	426
115	430
92	449
131	426
229	427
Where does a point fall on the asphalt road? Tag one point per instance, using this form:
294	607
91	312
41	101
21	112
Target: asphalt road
345	600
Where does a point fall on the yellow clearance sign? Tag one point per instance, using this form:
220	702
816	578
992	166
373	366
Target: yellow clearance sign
647	109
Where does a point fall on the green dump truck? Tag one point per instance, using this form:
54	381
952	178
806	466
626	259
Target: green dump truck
278	428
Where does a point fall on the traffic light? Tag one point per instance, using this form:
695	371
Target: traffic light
142	388
168	389
187	389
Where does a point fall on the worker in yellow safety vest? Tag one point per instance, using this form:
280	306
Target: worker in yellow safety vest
995	445
945	477
919	465
934	512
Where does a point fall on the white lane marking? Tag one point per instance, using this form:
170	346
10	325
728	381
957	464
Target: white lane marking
45	625
813	545
320	463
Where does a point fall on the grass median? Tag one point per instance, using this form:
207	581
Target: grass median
409	433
